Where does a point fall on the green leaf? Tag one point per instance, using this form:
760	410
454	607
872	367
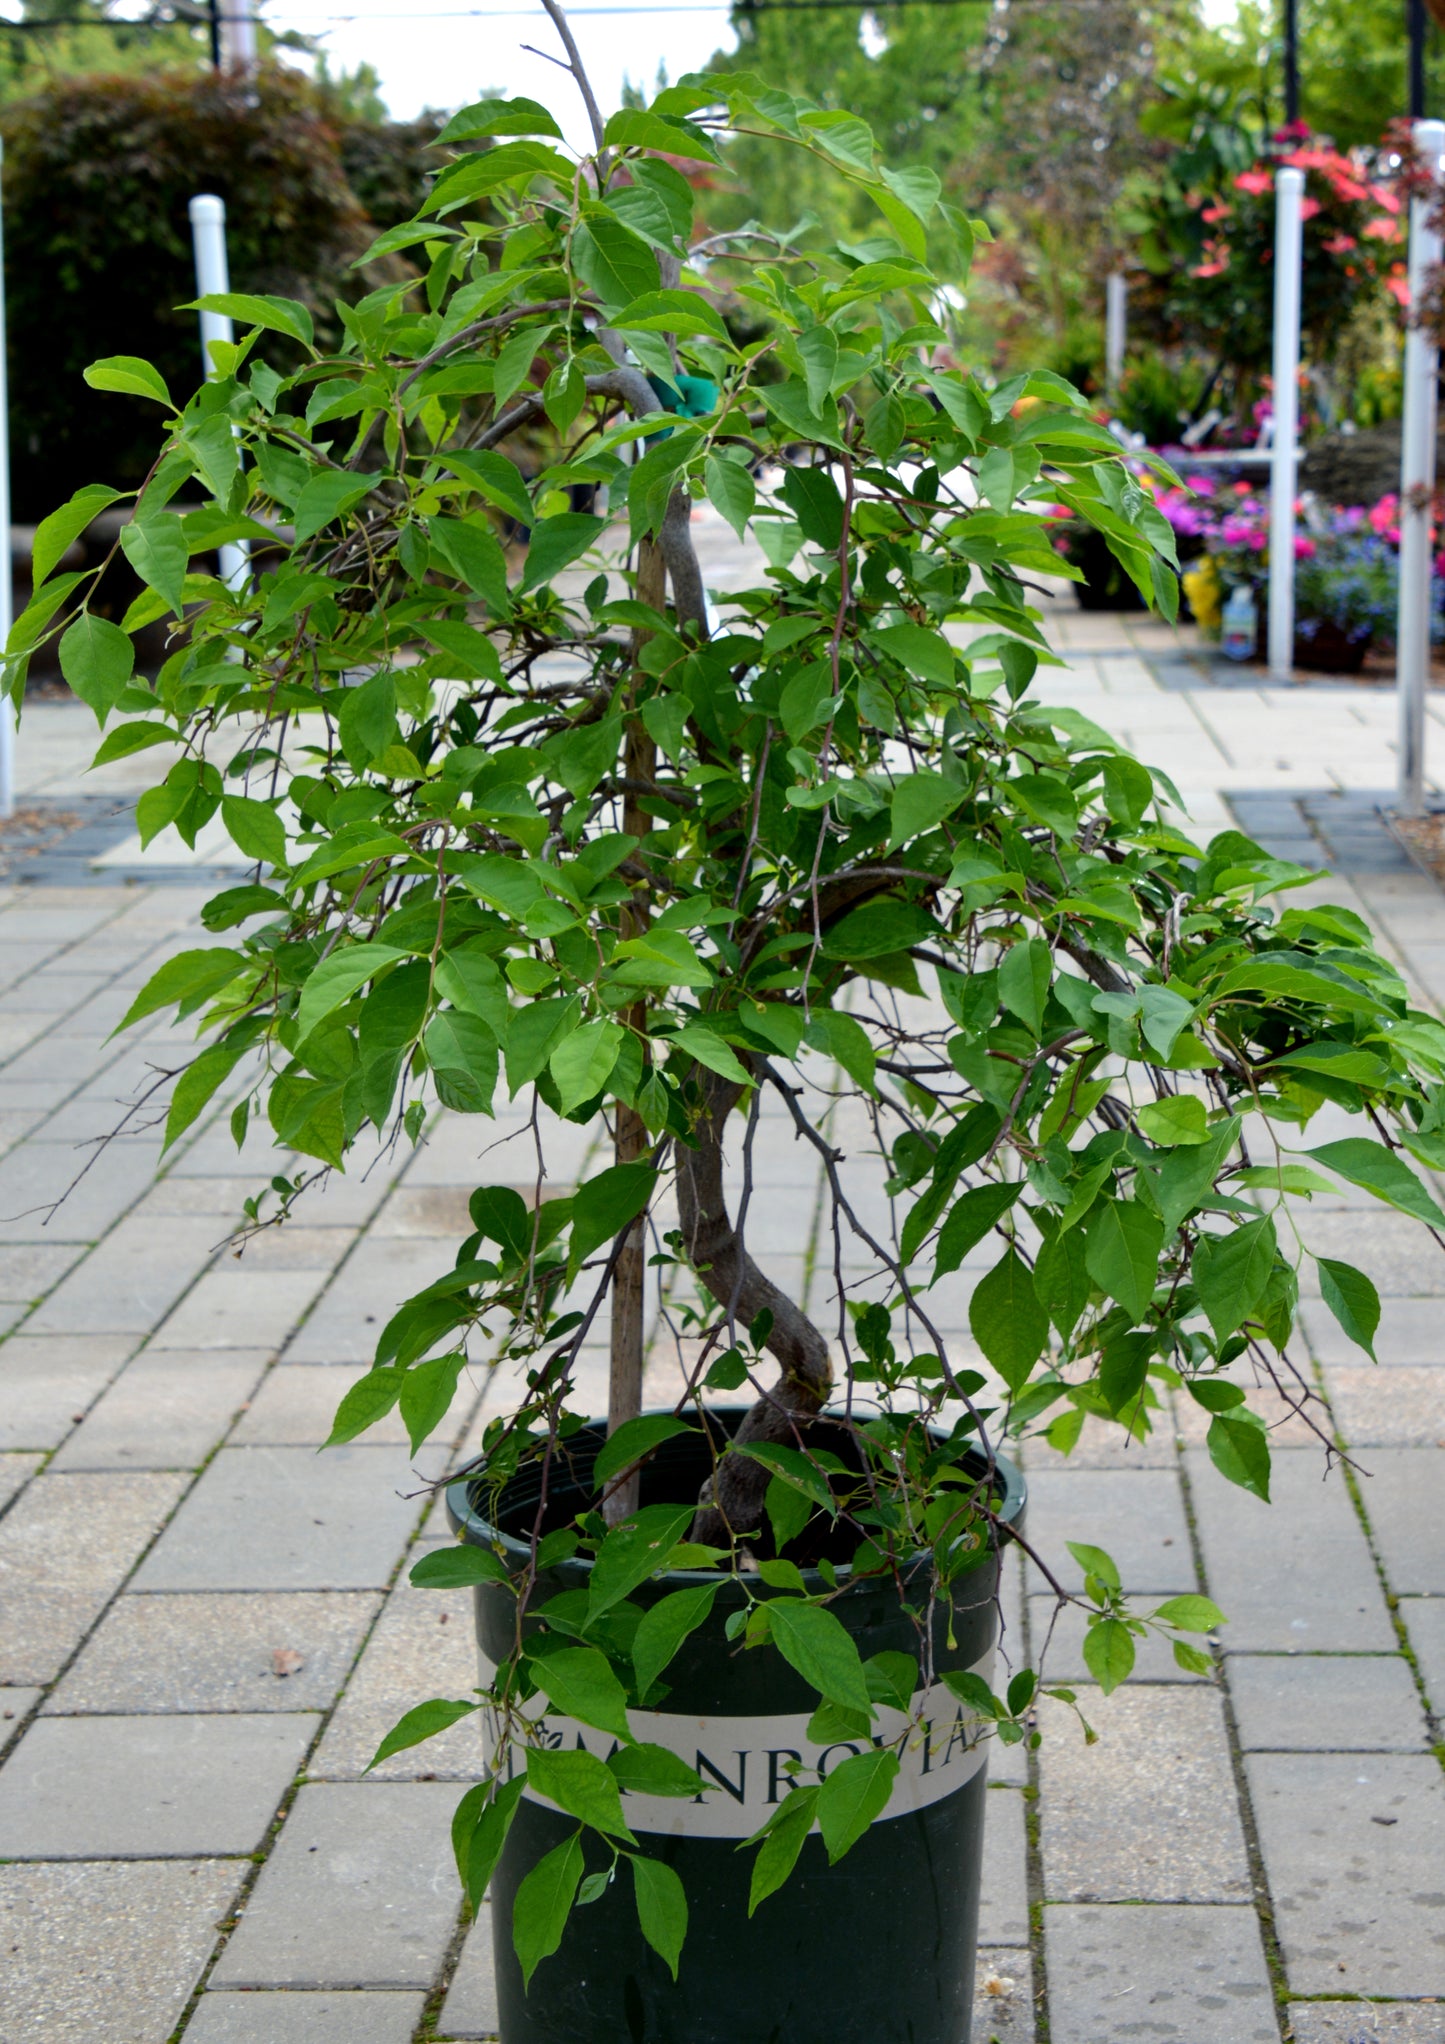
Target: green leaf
664	1627
782	1842
635	1550
1061	1279
844	1038
422	1723
581	1684
366	722
479	1831
200	1081
556	543
634	1439
1095	1562
1122	1243
709	1049
97	659
1190	1614
255	828
731	488
1378	1170
457	1568
498	117
607	1204
854	1793
1239	1449
646	1770
878	929
919	651
155	546
543	1904
276	315
427	1391
661	1908
920	802
1008	1323
337	978
1230	1273
53	535
192	976
1188	1173
578	1782
369	1400
972	1216
1180	1118
1353	1300
470	548
582	1062
328	496
817	1644
476	657
1109	1653
616	263
1024	973
130	375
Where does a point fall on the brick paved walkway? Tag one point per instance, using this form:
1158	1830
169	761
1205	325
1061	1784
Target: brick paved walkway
205	1627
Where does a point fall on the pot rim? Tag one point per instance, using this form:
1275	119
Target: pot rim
471	1525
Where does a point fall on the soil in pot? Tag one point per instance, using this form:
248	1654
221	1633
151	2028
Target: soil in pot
879	1947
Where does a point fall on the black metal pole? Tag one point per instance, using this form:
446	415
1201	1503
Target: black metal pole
216	34
1291	59
1415	13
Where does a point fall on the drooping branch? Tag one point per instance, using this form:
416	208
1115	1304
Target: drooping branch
732	1502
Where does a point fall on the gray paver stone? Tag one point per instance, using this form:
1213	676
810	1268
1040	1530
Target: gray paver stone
106	1951
1410	1331
164	1411
34	1175
1351	1846
1154	1654
1322	1703
1367	2022
424	1645
1136	1515
283	1650
47	1382
335	2018
112	1787
28	1270
1003	1916
66	1545
470	2009
234	1308
1003	1997
1149	1813
286	1519
343	1325
1293	1574
1405	1504
1425	1623
1401	1262
15	1472
15	1707
360	1891
1398	1408
133	1278
296	1406
1163	1975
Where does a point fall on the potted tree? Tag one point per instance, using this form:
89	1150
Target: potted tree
559	831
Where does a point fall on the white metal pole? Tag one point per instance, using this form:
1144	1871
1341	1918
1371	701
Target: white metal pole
208	232
1116	314
7	563
1417	489
1288	255
238	34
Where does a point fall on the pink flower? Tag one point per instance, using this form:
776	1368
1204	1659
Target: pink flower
1398	287
1215	213
1304	549
1340	244
1256	181
1209	269
1381	228
1308	208
1385	514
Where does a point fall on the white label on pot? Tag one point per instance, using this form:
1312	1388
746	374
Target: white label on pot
748	1762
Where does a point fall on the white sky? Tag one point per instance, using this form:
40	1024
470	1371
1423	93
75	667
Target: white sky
445	53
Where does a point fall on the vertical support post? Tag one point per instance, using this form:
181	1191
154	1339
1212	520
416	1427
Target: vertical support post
215	28
1291	62
1417	490
7	564
1415	18
1116	327
208	233
1288	253
238	34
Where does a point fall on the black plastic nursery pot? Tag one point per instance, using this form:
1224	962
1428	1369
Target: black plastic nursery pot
878	1949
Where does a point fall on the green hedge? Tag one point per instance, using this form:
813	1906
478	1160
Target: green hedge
99	171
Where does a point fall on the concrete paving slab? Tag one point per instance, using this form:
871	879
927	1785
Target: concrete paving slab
1366	2022
296	1407
1351	1846
1149	1813
229	1307
1320	1592
15	1472
107	1950
15	1706
1003	1999
1168	1975
424	1645
147	1787
1137	1516
282	1651
66	1546
1003	1916
286	1519
305	2018
128	1283
1402	1409
470	2009
1405	1504
47	1383
344	1324
166	1410
1103	1445
1410	1331
1425	1624
1325	1703
360	1891
29	1269
1395	1252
